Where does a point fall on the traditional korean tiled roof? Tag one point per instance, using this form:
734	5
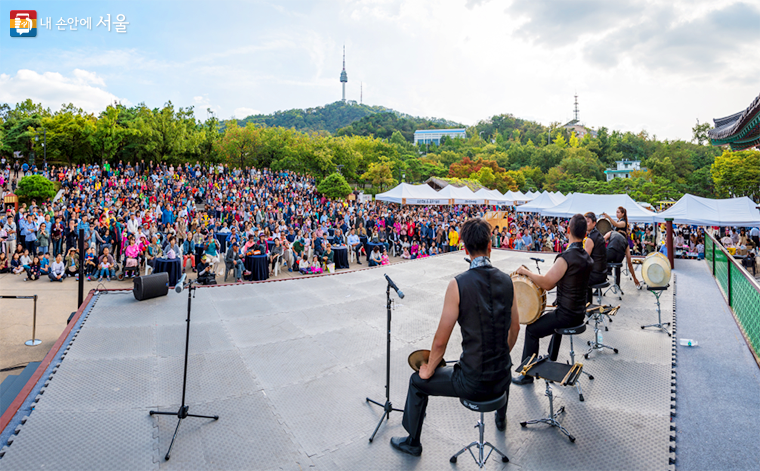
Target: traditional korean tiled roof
740	130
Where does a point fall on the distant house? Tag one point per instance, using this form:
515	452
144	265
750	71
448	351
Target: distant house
433	136
580	130
624	169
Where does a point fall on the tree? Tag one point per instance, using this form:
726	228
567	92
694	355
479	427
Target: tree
737	173
334	186
239	144
105	135
35	187
379	174
699	133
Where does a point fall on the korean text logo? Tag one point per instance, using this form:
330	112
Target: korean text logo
23	23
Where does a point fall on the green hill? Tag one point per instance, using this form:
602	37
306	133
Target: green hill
322	118
383	125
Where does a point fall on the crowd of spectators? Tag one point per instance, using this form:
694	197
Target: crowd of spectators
212	216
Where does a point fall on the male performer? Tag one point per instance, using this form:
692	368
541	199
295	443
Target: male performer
481	300
570	274
595	246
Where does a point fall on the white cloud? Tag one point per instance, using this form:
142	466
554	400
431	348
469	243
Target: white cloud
244	112
84	89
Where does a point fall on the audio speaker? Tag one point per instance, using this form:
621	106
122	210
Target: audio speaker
151	286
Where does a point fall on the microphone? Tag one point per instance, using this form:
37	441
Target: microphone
467	260
393	285
180	283
537	259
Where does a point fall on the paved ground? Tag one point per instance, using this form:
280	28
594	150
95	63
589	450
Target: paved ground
718	395
288	366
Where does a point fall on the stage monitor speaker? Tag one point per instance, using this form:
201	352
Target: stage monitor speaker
151	286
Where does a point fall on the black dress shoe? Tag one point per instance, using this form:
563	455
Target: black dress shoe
522	379
402	444
501	423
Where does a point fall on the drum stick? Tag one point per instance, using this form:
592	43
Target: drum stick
564	380
528	365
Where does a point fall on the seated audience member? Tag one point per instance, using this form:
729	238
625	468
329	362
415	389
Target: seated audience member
206	276
384	260
72	262
304	265
375	257
16	267
276	250
232	258
106	266
5	264
405	254
57	269
33	272
328	256
44	264
316	266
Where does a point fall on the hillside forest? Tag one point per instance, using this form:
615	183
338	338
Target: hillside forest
371	147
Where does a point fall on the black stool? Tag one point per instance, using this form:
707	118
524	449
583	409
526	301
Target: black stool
570	331
482	407
657	292
597	290
615	286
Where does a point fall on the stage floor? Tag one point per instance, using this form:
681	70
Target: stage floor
287	366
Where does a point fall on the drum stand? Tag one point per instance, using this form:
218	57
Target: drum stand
182	412
387	407
598	317
552	419
657	292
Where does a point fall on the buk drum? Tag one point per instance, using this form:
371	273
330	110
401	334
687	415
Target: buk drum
603	225
656	270
531	299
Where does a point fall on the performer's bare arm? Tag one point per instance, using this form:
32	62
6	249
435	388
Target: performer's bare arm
514	327
449	318
551	278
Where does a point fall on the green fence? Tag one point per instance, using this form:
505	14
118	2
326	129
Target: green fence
740	289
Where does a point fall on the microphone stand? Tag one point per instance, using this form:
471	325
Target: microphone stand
182	412
387	407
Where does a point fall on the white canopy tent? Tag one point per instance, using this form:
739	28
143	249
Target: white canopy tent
460	195
493	197
405	193
543	201
692	209
517	197
582	203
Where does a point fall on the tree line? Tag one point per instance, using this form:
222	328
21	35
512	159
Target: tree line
376	151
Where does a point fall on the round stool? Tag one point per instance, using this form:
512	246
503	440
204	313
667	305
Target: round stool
597	290
482	407
615	286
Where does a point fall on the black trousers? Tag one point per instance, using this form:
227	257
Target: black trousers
594	279
544	327
447	381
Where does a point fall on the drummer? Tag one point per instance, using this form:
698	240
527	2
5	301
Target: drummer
482	301
595	247
570	274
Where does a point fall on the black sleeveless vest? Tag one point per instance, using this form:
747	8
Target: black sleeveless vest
485	314
598	254
571	288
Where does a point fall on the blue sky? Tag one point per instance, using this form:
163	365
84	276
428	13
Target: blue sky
636	65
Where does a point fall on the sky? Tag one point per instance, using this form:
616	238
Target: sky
654	66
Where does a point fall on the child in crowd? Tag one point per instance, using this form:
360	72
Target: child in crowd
384	259
415	249
316	266
405	254
33	272
16	266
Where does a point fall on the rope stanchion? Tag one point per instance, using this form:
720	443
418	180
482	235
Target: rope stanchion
33	342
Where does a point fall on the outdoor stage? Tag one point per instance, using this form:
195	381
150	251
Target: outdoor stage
287	366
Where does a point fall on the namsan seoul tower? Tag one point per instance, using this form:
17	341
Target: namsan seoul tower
344	75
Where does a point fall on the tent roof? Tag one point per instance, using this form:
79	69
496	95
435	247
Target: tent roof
582	203
543	201
692	209
405	193
493	196
460	195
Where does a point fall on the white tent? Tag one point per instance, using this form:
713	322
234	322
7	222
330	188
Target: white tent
692	209
583	203
460	195
530	195
405	193
543	201
493	197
